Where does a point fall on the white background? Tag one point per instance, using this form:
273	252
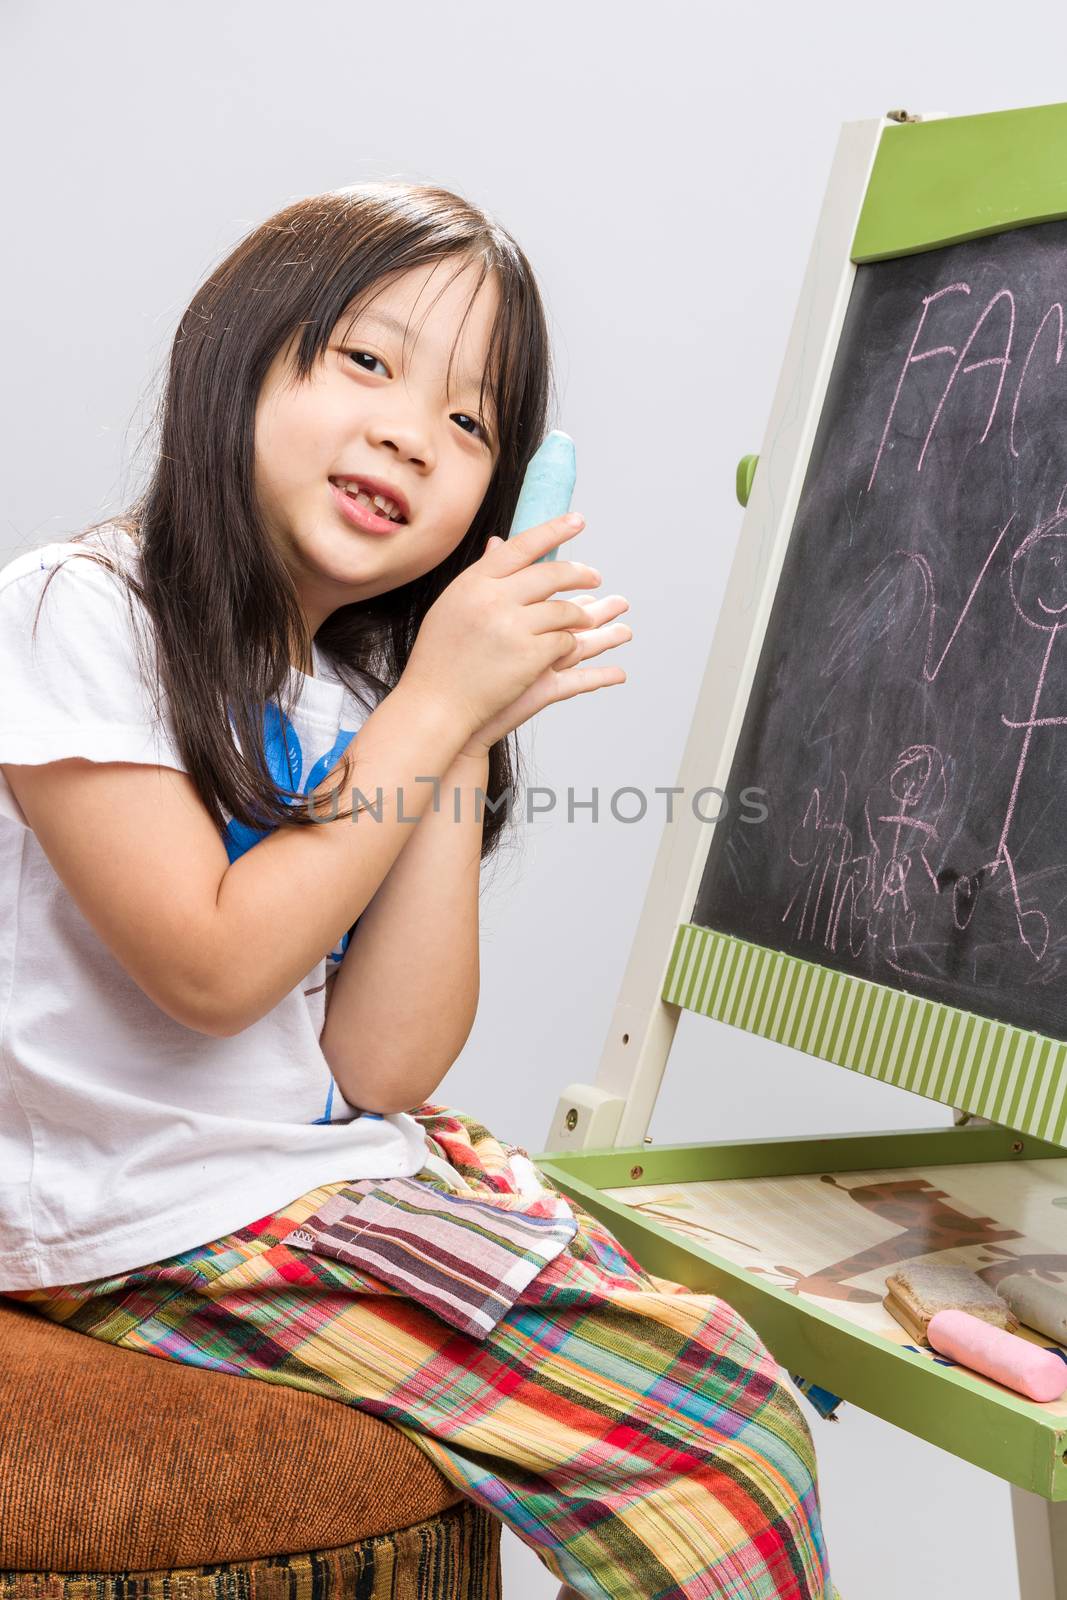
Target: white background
663	166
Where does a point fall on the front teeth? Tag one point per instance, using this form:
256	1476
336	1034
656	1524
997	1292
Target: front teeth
374	503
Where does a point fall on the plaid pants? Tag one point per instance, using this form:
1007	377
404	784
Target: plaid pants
638	1437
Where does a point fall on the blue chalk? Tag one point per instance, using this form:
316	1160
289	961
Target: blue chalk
547	487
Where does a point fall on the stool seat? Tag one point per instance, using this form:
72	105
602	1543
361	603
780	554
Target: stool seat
114	1460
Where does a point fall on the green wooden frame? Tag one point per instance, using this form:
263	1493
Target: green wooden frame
937	183
1000	1432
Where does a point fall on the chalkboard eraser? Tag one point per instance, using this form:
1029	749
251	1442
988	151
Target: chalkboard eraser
746	471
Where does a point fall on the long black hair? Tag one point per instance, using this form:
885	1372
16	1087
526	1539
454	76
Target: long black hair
224	611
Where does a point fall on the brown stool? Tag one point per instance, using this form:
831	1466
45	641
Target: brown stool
150	1480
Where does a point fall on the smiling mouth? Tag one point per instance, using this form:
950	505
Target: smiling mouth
377	503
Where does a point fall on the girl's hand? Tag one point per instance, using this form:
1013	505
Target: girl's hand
495	631
562	680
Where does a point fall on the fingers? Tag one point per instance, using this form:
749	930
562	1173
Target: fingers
579	629
552	615
602	607
594	641
543	579
573	681
568	658
585	614
598	640
540	539
523	548
517	562
603	634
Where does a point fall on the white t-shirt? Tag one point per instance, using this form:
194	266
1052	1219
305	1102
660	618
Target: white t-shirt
124	1136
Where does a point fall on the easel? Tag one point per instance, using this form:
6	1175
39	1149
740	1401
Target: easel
884	170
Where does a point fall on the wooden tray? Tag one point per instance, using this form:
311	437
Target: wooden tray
800	1234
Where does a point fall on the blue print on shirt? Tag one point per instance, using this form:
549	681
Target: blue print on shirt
285	763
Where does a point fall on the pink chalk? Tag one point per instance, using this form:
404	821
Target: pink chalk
1028	1368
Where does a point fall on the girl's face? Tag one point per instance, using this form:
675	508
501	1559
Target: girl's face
373	408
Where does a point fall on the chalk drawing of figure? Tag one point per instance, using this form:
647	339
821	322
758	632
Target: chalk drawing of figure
1037	581
1038	584
851	892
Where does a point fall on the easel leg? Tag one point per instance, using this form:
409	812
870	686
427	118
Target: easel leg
1040	1545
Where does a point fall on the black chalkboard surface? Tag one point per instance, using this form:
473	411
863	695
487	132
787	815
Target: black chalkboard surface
908	717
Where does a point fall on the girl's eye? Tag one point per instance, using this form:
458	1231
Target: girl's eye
358	353
463	416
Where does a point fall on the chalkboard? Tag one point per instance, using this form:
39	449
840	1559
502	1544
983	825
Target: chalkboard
907	722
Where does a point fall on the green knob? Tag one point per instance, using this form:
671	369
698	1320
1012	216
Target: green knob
746	471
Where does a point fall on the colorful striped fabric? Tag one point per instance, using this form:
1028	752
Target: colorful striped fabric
637	1436
463	1259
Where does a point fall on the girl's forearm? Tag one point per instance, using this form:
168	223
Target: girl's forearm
282	905
406	994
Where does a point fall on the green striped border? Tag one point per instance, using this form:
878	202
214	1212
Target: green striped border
955	178
988	1068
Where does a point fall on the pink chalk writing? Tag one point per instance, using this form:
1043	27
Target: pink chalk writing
911	359
1056	308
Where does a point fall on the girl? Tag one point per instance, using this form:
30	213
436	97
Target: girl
229	1001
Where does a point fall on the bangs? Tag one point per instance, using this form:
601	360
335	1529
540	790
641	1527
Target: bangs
516	330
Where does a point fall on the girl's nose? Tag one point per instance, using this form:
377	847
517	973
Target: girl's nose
410	441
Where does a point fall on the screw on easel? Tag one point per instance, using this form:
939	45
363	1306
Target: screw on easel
571	1120
903	116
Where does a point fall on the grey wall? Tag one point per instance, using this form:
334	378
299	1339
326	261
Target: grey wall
663	166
